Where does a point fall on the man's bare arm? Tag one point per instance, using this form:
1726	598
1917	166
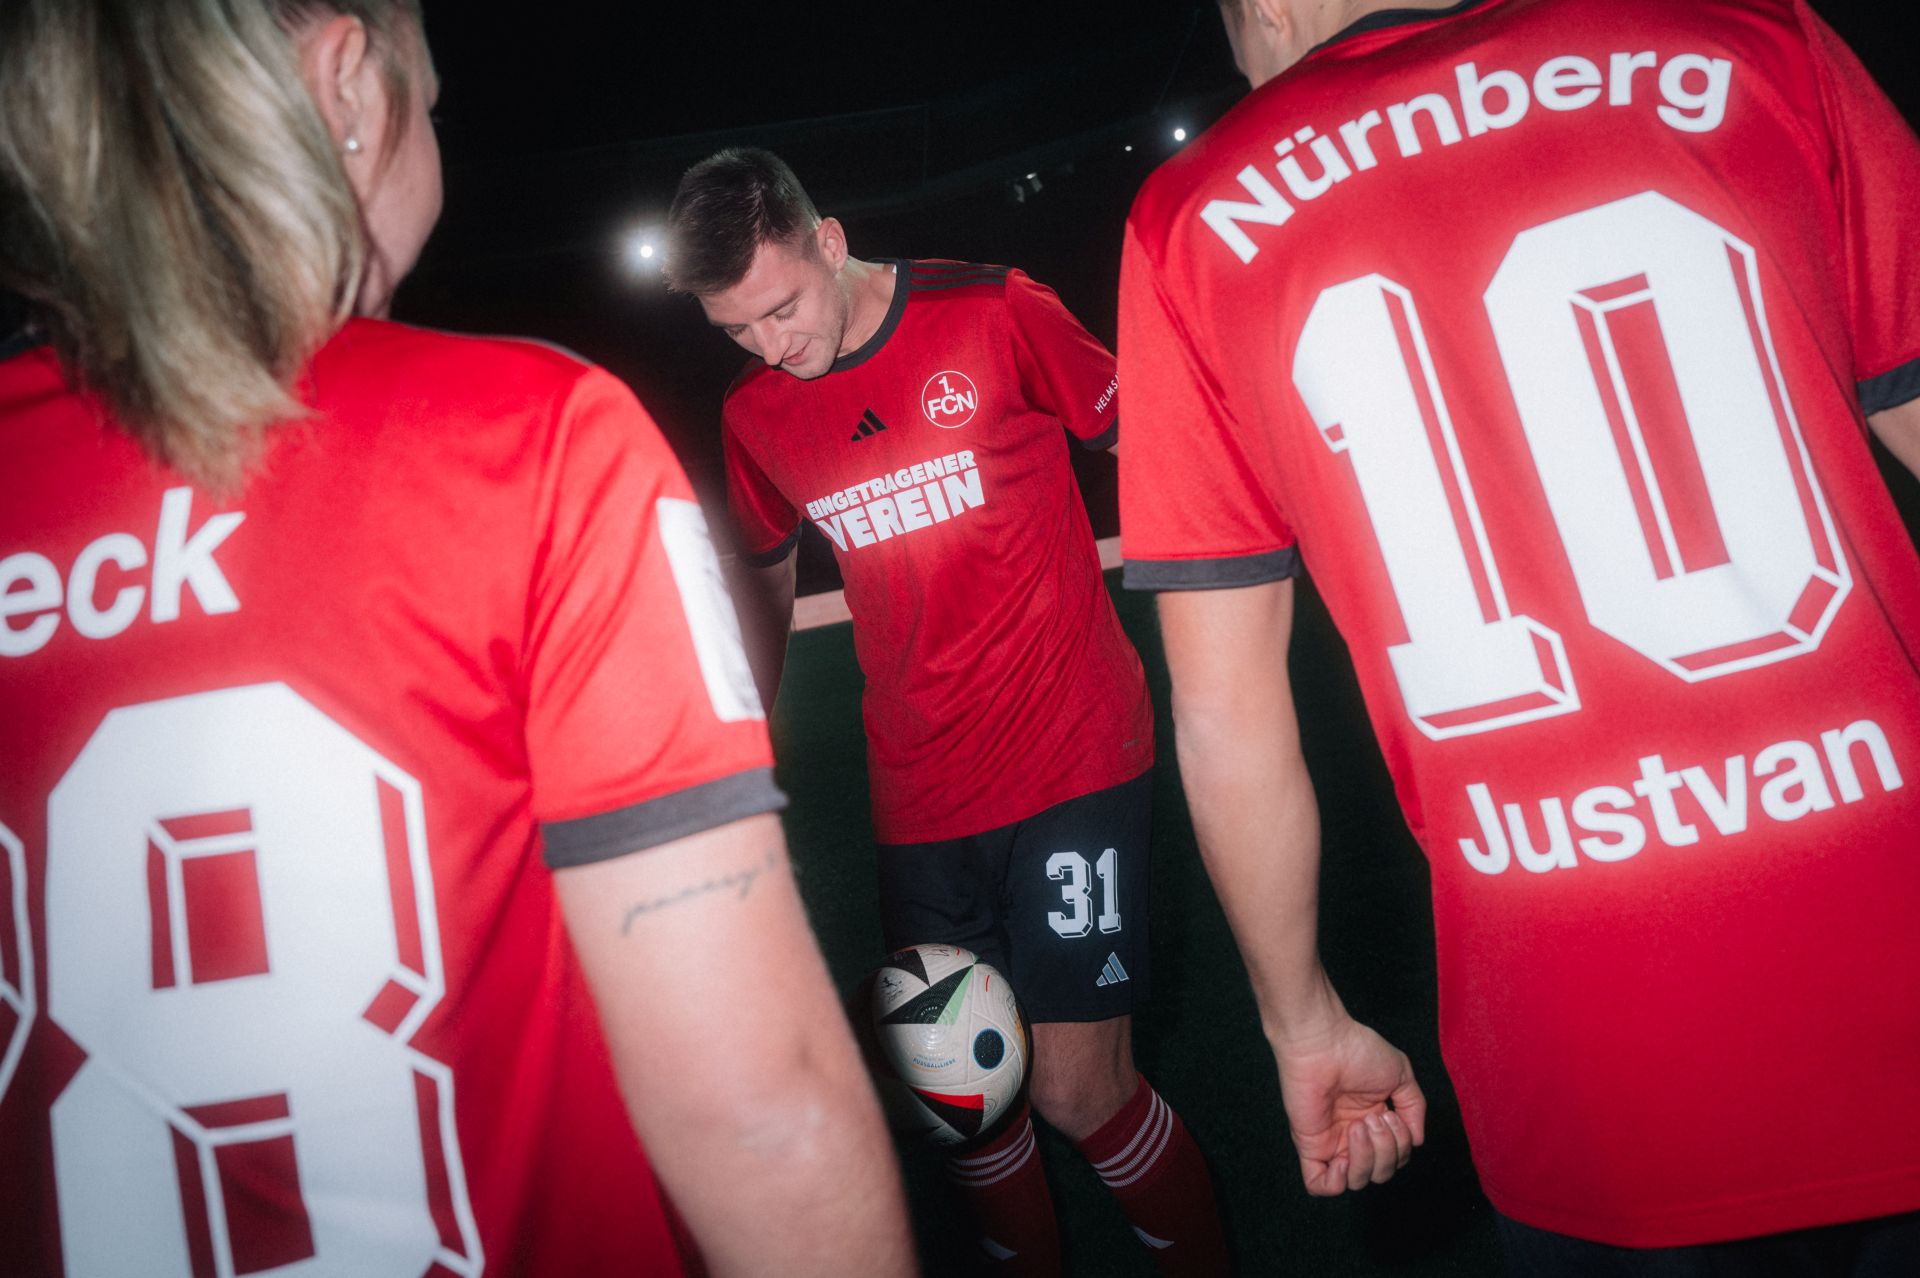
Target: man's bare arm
764	599
1899	429
736	1062
1255	815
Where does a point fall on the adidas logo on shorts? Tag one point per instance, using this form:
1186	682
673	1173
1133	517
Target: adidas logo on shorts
1113	973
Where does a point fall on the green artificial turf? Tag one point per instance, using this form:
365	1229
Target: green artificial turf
1198	1039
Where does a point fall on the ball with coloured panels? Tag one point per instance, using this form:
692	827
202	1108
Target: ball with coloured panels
946	1042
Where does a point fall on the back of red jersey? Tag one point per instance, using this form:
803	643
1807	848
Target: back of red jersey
282	974
1541	332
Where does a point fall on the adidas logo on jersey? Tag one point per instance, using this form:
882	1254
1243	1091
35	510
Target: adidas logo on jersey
33	592
1113	973
870	425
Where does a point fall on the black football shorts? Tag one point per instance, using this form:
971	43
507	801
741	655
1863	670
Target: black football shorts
1057	902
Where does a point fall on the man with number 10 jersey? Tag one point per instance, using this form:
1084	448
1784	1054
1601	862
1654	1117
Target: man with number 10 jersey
1544	333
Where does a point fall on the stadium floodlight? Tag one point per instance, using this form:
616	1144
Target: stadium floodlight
640	250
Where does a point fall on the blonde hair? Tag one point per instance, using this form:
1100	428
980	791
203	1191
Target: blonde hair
173	211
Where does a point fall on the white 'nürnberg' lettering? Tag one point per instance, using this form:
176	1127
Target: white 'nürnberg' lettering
1693	91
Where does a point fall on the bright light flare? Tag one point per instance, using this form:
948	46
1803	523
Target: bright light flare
1179	135
641	250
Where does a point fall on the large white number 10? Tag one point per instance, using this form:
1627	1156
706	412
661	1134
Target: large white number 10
1636	343
241	936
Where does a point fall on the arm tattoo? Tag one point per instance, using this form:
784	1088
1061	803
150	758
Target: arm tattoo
739	882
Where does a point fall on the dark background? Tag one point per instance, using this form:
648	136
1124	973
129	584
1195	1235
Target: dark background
987	131
918	126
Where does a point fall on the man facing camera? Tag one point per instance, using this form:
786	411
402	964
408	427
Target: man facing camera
912	411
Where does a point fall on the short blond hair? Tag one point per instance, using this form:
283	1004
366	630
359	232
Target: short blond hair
172	209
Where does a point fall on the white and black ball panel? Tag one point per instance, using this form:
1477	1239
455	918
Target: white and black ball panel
947	1041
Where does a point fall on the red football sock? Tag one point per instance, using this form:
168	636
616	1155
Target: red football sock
1012	1208
1154	1170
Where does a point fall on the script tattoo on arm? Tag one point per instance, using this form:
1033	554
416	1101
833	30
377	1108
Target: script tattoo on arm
737	882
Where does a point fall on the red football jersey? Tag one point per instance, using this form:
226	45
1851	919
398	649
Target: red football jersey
1541	332
999	682
282	975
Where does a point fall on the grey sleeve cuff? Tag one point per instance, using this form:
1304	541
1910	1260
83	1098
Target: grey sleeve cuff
768	558
1105	439
1890	389
602	837
1211	574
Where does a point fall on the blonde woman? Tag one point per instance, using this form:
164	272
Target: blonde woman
372	719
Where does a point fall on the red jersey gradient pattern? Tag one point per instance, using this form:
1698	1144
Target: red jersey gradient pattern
999	682
283	979
1541	332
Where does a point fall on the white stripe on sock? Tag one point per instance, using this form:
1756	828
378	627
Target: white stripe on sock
998	1167
993	1156
1146	1126
987	1162
1162	1126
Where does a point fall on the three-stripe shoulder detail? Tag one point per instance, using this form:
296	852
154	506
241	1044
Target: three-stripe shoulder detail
937	276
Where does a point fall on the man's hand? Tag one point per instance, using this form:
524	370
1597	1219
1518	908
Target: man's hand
1336	1085
1259	831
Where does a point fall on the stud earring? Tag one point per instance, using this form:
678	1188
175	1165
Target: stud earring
351	145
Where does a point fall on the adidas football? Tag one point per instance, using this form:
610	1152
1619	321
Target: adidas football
946	1042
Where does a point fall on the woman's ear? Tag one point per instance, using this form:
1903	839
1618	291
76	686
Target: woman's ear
344	78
